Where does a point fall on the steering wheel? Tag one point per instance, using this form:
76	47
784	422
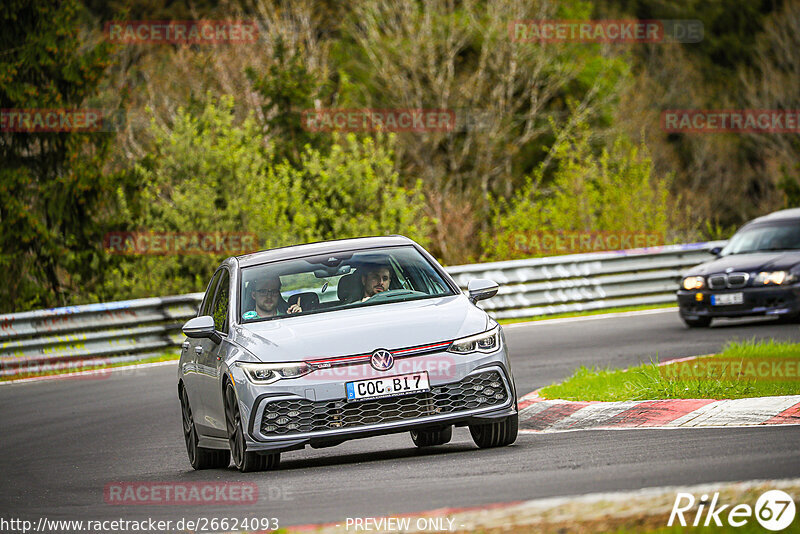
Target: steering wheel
390	294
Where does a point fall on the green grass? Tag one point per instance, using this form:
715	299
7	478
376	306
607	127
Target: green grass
732	374
588	312
165	356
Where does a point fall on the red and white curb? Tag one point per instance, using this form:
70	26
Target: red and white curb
541	415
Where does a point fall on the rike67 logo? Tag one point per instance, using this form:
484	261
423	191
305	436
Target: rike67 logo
774	510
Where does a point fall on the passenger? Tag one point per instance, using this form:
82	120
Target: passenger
268	300
376	278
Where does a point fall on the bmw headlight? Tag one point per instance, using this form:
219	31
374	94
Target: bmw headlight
488	341
693	282
774	277
267	373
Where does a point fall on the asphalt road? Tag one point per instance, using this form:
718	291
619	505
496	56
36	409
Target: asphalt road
63	441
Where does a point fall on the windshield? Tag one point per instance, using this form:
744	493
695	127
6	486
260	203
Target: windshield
337	281
765	237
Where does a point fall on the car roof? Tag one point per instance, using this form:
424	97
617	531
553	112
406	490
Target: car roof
782	215
323	247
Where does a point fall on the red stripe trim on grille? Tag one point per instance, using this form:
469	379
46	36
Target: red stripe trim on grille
368	356
421	348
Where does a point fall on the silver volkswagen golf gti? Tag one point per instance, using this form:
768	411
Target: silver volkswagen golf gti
321	343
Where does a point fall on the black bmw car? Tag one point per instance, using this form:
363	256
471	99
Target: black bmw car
757	273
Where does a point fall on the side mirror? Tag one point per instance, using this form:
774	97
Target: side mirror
201	327
715	251
481	288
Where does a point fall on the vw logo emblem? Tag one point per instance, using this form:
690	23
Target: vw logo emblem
382	360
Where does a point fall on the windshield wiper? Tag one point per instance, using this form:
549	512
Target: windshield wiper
754	251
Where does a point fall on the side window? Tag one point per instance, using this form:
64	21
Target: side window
205	307
221	302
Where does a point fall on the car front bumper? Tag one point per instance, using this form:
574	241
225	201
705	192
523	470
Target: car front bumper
312	410
774	300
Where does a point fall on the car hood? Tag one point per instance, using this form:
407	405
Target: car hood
362	330
757	261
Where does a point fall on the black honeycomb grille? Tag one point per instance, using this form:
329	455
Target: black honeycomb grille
294	416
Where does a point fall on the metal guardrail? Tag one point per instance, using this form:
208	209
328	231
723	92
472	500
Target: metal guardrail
583	282
77	336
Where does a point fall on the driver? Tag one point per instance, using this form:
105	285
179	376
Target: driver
375	279
267	297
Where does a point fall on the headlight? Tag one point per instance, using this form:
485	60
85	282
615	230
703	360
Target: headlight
774	277
488	341
267	373
693	282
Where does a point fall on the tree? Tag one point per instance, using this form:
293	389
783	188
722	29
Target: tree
208	172
53	191
460	56
614	190
353	190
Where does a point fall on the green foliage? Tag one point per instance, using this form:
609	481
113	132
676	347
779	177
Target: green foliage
614	191
53	191
353	190
790	186
206	168
205	174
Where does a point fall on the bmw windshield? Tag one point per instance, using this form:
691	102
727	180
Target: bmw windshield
337	281
765	237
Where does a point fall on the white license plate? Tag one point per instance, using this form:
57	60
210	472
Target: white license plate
727	299
388	386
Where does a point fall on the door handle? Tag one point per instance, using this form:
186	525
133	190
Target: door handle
198	350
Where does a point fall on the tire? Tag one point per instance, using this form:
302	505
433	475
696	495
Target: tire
199	457
700	322
431	438
244	460
495	434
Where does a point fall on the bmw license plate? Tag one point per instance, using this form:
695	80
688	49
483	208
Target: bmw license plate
389	386
727	299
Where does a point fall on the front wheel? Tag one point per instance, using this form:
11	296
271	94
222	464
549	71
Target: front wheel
244	460
431	438
496	434
697	322
199	457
